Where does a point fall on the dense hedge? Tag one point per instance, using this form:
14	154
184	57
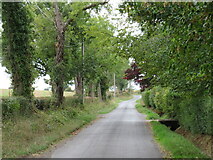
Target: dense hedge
161	99
193	112
15	106
196	114
43	103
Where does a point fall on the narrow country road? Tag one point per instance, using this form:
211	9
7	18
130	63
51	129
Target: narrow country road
123	133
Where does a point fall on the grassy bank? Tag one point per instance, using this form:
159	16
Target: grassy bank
175	145
28	135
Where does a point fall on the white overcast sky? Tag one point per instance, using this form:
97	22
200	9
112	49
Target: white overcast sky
115	18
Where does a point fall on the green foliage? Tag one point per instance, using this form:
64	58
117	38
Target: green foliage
175	51
10	107
17	52
176	43
145	97
15	106
72	101
99	61
193	112
45	37
165	100
43	103
152	97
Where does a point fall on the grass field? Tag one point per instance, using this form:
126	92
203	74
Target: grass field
37	93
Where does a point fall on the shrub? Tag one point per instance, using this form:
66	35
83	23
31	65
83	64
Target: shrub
43	103
9	107
195	114
155	97
166	101
163	99
158	98
152	96
170	102
26	105
72	102
145	97
15	105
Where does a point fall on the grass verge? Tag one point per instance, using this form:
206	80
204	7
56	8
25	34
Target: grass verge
174	144
27	135
150	114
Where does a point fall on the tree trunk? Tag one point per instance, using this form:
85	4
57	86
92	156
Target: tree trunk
91	90
78	84
58	71
99	91
52	83
59	58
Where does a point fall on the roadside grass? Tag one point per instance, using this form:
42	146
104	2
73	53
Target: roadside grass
150	114
177	145
174	144
37	93
29	135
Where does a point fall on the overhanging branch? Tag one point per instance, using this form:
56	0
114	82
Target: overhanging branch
84	9
94	5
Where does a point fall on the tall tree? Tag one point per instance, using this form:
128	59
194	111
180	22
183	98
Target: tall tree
61	28
17	52
53	58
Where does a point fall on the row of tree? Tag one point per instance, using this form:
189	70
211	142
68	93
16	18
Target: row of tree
64	41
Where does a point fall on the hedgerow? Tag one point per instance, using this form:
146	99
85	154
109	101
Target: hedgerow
193	112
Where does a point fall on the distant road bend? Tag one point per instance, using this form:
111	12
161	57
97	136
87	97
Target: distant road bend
120	134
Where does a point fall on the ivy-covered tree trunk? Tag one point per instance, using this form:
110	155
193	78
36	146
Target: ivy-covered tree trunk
17	53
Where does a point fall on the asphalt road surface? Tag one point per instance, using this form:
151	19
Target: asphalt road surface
123	133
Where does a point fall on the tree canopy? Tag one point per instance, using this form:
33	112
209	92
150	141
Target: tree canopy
175	48
65	42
